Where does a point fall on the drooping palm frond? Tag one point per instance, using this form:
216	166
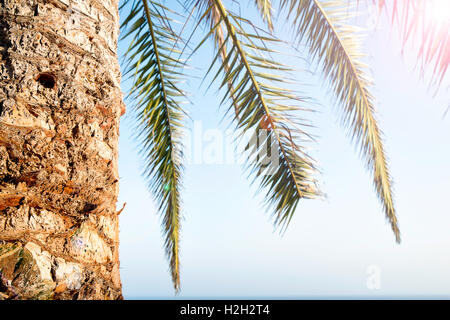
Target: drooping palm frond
153	58
265	8
419	26
211	16
264	109
321	25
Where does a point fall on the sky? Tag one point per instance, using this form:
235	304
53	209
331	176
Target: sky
337	247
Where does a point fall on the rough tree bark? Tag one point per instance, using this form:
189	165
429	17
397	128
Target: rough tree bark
60	104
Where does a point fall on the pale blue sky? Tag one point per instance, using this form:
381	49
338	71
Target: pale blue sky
229	247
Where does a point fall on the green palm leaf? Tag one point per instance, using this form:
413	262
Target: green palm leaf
212	17
158	113
265	8
321	24
255	88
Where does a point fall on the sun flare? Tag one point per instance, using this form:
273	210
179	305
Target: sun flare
438	11
426	24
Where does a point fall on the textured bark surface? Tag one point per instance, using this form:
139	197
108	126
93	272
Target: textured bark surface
60	104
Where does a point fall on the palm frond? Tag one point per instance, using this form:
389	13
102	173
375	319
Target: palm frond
153	59
266	10
321	25
263	104
212	18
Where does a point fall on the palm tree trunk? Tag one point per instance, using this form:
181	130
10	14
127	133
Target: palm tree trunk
60	104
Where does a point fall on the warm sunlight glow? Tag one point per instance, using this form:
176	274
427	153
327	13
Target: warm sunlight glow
438	11
426	23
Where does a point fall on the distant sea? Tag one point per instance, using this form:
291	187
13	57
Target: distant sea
372	297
